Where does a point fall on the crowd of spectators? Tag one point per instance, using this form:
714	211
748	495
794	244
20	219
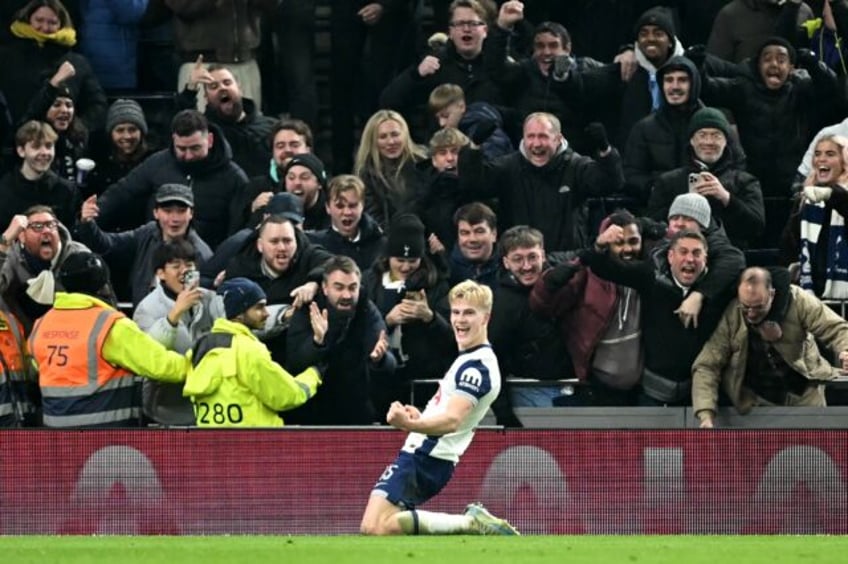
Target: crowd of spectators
641	183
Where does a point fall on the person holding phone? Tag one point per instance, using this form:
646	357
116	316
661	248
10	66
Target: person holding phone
734	195
176	314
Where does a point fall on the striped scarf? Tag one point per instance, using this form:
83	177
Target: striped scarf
814	218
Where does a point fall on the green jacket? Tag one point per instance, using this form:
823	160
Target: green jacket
240	386
725	355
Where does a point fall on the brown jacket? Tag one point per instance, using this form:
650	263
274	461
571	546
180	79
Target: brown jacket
223	31
724	356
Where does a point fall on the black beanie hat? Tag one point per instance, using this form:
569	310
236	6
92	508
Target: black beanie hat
709	117
311	162
659	17
406	237
85	273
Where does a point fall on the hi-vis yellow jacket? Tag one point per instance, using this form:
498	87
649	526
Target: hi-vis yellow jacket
234	383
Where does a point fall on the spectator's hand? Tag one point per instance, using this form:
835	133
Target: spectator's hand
816	194
16	227
219	279
186	300
690	308
261	201
843	359
612	234
199	74
483	129
417	309
706	422
302	295
559	276
710	186
628	63
597	136
510	14
320	323
371	13
396	316
562	67
429	65
66	70
90	210
435	244
697	54
379	350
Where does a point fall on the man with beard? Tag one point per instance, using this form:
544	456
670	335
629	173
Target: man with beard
754	371
600	321
286	265
352	232
241	122
32	249
288	137
734	195
233	382
545	183
669	349
346	332
306	178
199	157
34	183
173	213
527	344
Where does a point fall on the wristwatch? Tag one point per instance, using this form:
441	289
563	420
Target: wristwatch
3	241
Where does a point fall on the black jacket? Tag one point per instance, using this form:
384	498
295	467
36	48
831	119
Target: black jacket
216	181
545	197
344	397
248	138
744	217
364	250
17	194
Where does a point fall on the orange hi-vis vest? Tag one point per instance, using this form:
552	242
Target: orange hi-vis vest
13	370
79	388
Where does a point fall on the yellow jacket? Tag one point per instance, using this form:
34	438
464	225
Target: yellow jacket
128	346
240	386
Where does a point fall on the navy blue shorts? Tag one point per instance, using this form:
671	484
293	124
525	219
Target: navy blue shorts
412	479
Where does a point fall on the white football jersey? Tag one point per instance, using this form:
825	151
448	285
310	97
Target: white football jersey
475	375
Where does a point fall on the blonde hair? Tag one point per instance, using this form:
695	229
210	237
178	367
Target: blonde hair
448	137
368	156
345	183
478	295
842	143
443	96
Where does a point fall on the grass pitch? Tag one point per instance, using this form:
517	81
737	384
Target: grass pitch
426	550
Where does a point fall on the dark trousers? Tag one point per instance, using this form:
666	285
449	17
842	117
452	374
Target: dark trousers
293	77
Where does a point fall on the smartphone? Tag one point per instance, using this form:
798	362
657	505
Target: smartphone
191	279
694	179
414	296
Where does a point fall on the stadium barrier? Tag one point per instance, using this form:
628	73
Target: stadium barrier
316	481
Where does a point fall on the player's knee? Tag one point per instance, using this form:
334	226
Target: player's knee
371	528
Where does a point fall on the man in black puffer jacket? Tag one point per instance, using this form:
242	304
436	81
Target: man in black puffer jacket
199	157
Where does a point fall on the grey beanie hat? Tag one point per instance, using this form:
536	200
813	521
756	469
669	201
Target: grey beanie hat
692	205
124	110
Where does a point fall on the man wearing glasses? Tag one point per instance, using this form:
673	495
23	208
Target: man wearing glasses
33	248
754	371
460	62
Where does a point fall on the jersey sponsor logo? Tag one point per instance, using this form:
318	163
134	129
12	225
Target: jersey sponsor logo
471	379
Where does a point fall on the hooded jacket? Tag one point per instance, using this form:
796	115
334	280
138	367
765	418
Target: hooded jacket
216	181
364	250
18	194
546	197
238	385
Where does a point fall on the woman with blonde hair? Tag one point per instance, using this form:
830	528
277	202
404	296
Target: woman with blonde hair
816	236
387	162
39	57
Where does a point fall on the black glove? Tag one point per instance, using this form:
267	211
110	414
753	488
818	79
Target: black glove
558	276
483	129
596	134
806	59
652	230
697	54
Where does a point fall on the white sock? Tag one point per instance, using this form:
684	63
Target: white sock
432	523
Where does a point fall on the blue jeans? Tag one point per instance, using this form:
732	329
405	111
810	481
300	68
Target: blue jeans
534	396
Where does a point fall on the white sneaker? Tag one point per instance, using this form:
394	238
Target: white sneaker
488	524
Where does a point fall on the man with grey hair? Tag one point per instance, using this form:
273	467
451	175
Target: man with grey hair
545	183
753	370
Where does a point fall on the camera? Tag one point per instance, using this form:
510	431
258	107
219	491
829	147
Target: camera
191	279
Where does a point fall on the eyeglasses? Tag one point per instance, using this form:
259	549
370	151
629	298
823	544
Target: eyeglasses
518	260
39	226
467	23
